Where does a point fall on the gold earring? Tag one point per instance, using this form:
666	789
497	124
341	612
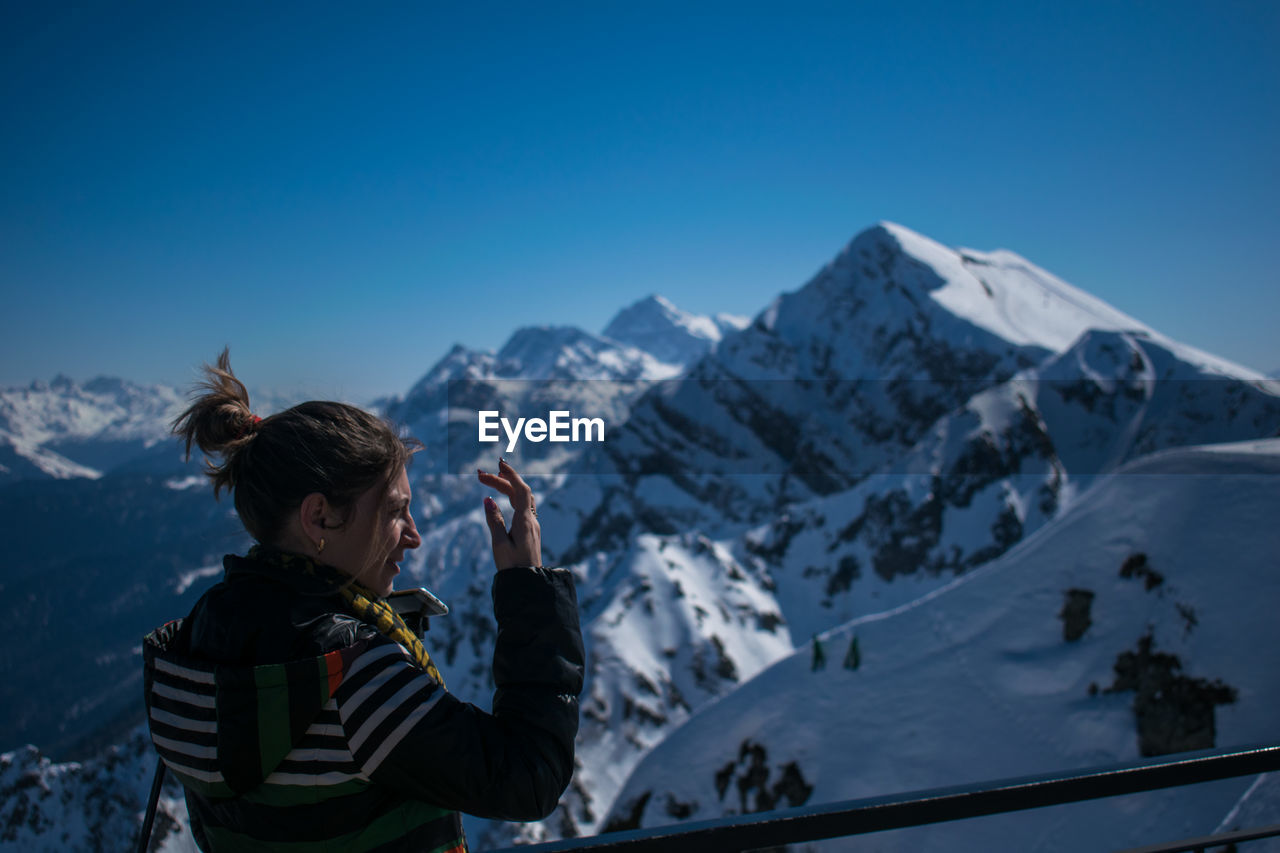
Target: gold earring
320	546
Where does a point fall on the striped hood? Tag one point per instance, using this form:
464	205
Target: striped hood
222	729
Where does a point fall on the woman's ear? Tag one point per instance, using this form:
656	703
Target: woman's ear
316	518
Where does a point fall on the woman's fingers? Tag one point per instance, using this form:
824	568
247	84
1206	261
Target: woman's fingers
521	496
522	544
511	484
497	526
495	482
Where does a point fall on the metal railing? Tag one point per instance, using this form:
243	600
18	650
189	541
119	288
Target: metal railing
1200	845
856	817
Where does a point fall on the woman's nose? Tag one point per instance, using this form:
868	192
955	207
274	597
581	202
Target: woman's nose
411	537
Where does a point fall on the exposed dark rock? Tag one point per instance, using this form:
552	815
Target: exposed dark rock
1049	493
1188	615
584	797
752	771
1075	613
633	816
568	826
1136	566
778	539
978	465
679	810
709	676
847	571
631	708
725	667
674	697
1174	712
601	530
645	685
723	777
1085	391
756	775
769	621
596	708
901	535
1007	528
792	786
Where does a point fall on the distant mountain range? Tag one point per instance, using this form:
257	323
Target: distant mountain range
972	467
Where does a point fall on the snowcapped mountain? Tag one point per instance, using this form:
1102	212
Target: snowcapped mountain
889	440
543	353
90	805
832	381
1107	635
840	380
1001	466
538	369
670	335
63	429
960	460
564	352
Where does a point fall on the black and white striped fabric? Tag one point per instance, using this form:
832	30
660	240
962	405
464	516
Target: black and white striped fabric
383	696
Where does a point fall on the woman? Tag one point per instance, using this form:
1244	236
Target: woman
294	705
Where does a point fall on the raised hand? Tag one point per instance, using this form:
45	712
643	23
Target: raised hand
522	544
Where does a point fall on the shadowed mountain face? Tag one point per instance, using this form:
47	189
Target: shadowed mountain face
93	565
886	431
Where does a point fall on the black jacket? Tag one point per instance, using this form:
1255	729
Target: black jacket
290	720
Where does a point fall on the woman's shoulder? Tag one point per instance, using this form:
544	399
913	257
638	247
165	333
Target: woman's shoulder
253	619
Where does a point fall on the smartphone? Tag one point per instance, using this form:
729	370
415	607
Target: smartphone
416	607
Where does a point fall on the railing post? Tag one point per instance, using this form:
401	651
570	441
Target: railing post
157	782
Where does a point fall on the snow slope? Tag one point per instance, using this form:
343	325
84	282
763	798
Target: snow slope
64	429
978	681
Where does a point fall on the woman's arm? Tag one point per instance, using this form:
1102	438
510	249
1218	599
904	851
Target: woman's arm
407	732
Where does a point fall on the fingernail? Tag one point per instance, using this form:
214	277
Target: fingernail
488	501
502	461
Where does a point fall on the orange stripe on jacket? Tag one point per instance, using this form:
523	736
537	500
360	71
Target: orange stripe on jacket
333	660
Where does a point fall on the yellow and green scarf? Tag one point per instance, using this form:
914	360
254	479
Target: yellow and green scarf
362	601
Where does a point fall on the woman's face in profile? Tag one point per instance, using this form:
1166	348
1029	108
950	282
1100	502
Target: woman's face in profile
380	529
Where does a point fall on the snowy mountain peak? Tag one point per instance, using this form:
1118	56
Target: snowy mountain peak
669	334
999	291
64	429
62	382
567	352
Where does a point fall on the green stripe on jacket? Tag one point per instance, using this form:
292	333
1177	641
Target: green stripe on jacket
299	795
274	738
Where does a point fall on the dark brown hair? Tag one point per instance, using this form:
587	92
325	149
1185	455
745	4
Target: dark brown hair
271	464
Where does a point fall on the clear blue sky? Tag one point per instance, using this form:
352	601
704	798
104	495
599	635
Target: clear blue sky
340	194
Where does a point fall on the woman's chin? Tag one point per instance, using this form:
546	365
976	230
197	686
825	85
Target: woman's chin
387	579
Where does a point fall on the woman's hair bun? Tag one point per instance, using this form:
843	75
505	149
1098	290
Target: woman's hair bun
271	465
219	420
